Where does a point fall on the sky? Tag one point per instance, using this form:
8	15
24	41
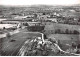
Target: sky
35	2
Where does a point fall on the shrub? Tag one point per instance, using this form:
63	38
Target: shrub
45	37
59	43
71	32
75	32
3	27
67	31
8	35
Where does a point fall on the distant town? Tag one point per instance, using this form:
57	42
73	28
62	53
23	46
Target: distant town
53	30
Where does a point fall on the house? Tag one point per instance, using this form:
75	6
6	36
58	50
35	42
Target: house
9	22
76	19
44	17
33	23
38	14
2	20
7	26
20	17
16	21
35	26
52	19
24	17
30	16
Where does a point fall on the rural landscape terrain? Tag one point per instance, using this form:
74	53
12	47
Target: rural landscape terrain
40	30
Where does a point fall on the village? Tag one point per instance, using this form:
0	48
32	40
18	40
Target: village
40	31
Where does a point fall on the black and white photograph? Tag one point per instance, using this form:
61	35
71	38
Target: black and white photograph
39	27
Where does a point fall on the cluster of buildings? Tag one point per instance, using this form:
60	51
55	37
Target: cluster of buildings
55	17
33	17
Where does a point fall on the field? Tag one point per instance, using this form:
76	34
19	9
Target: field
9	48
50	28
65	39
53	26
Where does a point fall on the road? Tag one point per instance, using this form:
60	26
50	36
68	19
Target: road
12	48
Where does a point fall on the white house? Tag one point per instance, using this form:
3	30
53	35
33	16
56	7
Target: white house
53	19
20	17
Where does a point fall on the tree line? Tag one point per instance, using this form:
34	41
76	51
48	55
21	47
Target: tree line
59	31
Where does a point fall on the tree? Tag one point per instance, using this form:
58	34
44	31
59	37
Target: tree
44	13
25	24
3	27
67	31
75	32
35	15
8	35
74	45
57	31
51	16
1	22
78	46
79	20
45	37
70	32
59	43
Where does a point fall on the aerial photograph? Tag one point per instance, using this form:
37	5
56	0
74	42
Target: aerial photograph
39	27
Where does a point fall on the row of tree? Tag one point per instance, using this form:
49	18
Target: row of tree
67	31
59	31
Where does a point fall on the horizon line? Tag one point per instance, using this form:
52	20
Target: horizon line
41	5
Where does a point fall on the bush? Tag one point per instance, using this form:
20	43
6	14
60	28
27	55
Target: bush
3	27
25	24
8	35
59	43
75	32
71	32
67	31
45	37
57	31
